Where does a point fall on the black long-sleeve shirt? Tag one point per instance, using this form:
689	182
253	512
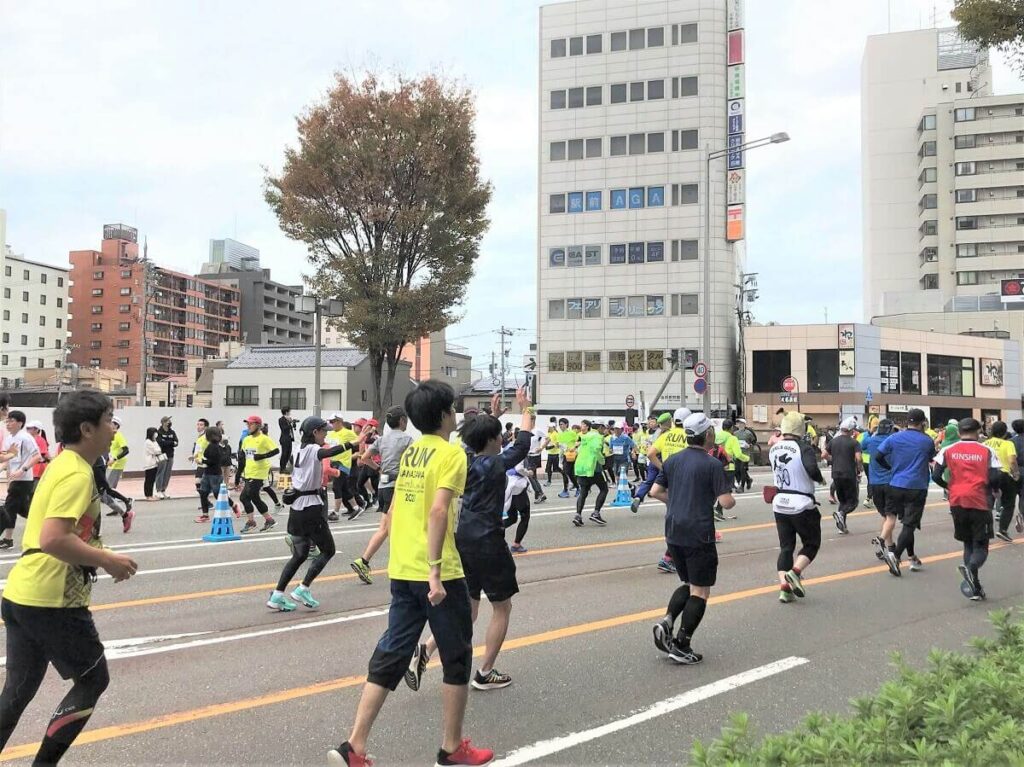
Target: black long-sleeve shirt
484	499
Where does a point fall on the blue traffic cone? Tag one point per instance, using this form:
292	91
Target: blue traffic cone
223	527
623	496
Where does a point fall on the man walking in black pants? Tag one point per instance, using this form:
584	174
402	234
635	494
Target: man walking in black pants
287	425
690	483
845	454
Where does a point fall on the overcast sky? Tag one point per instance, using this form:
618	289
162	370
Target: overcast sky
162	115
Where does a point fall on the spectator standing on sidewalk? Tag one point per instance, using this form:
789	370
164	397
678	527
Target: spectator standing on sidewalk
168	441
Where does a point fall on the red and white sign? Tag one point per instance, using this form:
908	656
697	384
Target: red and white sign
700	370
789	384
735	49
1011	291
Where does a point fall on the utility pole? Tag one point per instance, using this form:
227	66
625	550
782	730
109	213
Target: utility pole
68	348
503	332
143	314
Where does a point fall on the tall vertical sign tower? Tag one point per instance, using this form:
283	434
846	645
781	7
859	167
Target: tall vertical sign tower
735	183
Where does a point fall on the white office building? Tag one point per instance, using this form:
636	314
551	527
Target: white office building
235	254
33	313
632	96
943	187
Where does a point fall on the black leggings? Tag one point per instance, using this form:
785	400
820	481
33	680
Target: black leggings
307	527
975	554
251	497
27	660
806	524
149	481
286	455
586	483
1010	489
552	466
569	475
519	511
269	490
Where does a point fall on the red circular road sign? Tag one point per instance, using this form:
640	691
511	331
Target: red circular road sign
700	370
789	384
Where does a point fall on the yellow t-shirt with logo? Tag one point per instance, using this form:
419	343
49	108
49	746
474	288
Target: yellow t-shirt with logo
340	437
429	464
1004	450
200	448
66	491
256	444
118	444
670	442
552	448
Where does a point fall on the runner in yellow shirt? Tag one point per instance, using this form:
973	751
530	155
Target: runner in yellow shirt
258	449
45	604
339	434
1009	476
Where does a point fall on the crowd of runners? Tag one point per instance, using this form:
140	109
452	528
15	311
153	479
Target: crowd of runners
446	501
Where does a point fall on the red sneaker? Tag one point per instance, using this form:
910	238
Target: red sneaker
126	520
465	754
346	755
203	518
718	536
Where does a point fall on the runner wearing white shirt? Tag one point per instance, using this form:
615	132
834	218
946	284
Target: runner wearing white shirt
538	442
20	453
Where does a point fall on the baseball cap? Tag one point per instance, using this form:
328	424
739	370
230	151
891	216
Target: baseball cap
373	422
165	419
848	424
696	424
254	419
916	415
664	418
39	424
311	424
741	420
360	423
115	419
681	414
794	423
336	417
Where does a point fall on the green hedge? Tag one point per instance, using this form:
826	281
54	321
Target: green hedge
964	709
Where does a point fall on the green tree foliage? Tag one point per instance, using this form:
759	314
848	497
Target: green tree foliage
994	24
384	187
962	710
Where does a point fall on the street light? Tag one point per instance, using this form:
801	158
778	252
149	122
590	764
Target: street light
775	138
319	308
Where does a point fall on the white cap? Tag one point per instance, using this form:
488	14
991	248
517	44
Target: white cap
336	417
848	424
697	424
116	420
681	414
34	425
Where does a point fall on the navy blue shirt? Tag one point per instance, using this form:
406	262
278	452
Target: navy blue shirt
484	498
908	453
694	481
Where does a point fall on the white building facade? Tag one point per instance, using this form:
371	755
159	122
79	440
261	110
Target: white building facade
632	97
943	187
33	313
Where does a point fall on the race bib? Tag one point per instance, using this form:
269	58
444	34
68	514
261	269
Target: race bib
617	449
250	453
384	479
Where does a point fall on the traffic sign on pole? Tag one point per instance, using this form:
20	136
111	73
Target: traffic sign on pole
700	370
868	396
700	385
789	384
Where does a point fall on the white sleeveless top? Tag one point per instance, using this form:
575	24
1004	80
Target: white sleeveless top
790	475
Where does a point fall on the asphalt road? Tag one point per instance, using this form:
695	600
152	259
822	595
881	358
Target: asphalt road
203	673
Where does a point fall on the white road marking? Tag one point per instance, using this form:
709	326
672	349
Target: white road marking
544	748
113	645
119	653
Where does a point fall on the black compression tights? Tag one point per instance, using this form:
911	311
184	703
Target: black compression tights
69	718
519	511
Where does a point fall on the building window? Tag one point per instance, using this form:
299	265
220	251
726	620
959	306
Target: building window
42	320
124	326
928	202
60	303
293	398
966	195
94	362
575	202
557	151
7	271
122	361
96	327
618	93
95	344
556	203
594	95
685	194
969	250
25	275
687	34
123	343
655	89
636	39
655	37
594	43
556	309
927	123
97	275
889	372
60	282
6	337
24	340
60	322
575	147
556	362
684	87
558	48
963	115
684	140
593	147
822	370
950	376
558	99
617	254
24	296
684	304
655	142
618	41
574	362
684	250
636	91
965	169
7	314
637	141
964	142
7	292
928	175
576	98
618	146
967	222
126	291
616	361
966	278
97	292
575	46
930	282
593	201
124	308
126	274
927	149
97	309
242	395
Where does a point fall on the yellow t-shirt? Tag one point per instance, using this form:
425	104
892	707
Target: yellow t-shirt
340	437
118	444
429	464
256	444
200	447
1003	449
552	448
670	442
66	491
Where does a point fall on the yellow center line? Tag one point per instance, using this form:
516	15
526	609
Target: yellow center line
282	696
232	590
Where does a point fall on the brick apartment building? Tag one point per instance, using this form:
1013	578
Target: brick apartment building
185	316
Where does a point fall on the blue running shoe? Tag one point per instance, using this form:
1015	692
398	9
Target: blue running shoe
564	494
302	594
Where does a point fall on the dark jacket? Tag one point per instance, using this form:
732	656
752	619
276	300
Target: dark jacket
167	440
484	499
